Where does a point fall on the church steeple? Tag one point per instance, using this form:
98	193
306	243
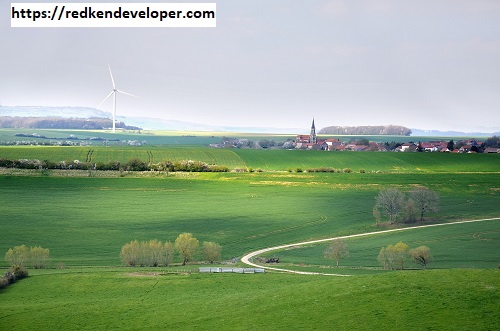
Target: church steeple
312	137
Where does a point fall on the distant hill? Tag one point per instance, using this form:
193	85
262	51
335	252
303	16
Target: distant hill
391	130
437	133
62	123
65	112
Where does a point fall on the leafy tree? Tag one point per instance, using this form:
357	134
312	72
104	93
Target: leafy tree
155	252
337	250
425	200
39	257
17	256
396	254
421	255
383	257
187	246
391	202
130	253
451	145
211	251
168	253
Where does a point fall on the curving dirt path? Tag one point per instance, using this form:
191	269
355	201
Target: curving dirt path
246	259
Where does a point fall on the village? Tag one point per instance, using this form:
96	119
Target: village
312	142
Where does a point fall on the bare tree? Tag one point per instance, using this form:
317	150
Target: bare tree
391	202
155	252
211	251
187	246
337	250
421	255
425	200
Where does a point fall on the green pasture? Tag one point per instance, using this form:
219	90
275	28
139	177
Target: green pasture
268	160
103	299
193	138
466	245
85	221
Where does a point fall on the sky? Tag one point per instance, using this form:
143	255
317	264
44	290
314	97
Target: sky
428	64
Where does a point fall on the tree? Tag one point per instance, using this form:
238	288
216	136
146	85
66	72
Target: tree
168	253
17	256
337	250
130	253
211	251
450	145
187	246
39	257
391	202
410	211
155	251
421	255
376	214
396	254
425	200
382	257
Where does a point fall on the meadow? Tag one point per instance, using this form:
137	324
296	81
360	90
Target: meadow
84	221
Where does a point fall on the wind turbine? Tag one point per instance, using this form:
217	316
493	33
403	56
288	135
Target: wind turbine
113	93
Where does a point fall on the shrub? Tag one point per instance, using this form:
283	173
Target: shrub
19	273
3	283
298	169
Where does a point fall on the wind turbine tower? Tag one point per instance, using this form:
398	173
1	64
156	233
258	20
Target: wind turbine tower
113	93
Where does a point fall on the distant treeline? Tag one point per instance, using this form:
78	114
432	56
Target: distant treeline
390	130
61	123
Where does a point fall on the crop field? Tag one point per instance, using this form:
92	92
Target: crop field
268	160
84	221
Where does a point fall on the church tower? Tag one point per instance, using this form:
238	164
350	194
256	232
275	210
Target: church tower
312	137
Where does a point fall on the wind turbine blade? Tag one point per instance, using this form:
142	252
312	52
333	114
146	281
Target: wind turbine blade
135	96
112	80
106	98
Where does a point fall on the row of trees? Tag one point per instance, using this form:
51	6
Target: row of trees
391	257
394	256
21	256
154	253
394	204
134	164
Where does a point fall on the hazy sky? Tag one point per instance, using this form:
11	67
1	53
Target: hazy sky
429	64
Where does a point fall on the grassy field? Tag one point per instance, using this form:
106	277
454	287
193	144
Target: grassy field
268	160
467	245
89	299
85	221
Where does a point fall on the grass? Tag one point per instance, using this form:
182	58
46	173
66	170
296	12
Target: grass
467	245
85	221
88	299
269	160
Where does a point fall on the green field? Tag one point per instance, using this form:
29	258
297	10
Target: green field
84	221
268	160
82	299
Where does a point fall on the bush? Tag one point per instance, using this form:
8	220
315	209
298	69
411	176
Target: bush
19	273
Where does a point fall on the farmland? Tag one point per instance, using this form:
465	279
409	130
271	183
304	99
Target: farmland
85	220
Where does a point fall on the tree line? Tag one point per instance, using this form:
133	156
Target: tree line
394	204
154	253
21	256
390	257
62	123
